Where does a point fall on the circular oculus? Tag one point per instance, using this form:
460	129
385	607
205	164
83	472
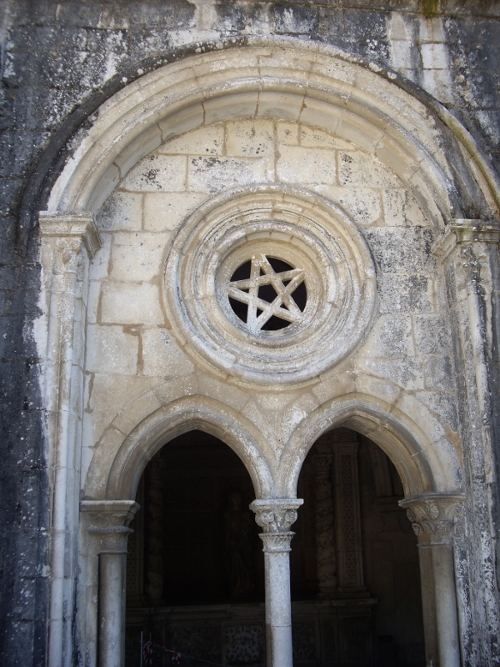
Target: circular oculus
269	284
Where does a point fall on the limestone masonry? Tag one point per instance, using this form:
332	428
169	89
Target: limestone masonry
250	302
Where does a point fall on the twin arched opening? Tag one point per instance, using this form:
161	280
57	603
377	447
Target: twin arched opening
338	553
196	577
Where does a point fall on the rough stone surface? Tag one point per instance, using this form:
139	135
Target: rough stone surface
60	61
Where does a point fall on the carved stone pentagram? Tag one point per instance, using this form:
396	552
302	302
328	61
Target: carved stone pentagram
300	305
260	310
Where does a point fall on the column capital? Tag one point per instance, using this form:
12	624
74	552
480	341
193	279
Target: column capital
434	516
276	515
108	523
465	230
74	228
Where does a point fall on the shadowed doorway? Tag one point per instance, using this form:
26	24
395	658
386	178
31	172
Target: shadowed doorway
355	553
195	575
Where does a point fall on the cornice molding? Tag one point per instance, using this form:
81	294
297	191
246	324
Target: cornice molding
71	226
464	230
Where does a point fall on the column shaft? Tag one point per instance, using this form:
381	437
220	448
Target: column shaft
112	580
278	609
446	605
428	604
433	519
276	516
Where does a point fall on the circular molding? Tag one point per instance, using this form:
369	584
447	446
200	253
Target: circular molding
294	226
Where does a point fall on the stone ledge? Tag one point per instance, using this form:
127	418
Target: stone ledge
463	230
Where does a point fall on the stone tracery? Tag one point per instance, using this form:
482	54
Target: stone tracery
261	308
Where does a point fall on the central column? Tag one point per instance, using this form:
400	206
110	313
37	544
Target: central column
275	516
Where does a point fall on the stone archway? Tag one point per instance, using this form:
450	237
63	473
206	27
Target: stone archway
138	371
195	578
433	499
357	554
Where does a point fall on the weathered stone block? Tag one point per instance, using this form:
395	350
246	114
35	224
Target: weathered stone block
438	373
250	138
360	170
313	137
155	173
431	334
135	412
405	294
306	165
396	250
224	108
392	335
161	356
122	211
407	372
164	212
204	141
401	208
111	349
443	404
288	134
129	303
137	256
100	262
213	174
295	19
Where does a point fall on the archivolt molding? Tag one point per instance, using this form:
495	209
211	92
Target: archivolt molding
272	77
424	464
174	419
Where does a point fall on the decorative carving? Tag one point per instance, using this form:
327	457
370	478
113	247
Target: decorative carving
334	264
109	521
434	518
243	644
304	641
325	529
267	293
350	565
462	230
276	515
276	542
75	229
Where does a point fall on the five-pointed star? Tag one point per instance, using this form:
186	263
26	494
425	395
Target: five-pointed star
247	291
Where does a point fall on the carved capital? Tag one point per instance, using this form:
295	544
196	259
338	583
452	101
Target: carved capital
73	229
276	542
108	524
276	515
460	231
434	517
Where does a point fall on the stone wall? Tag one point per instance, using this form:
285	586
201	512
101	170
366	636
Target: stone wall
60	61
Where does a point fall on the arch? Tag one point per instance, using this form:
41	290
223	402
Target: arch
302	82
176	418
424	466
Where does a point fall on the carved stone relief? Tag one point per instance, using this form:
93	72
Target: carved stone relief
325	528
243	644
315	244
